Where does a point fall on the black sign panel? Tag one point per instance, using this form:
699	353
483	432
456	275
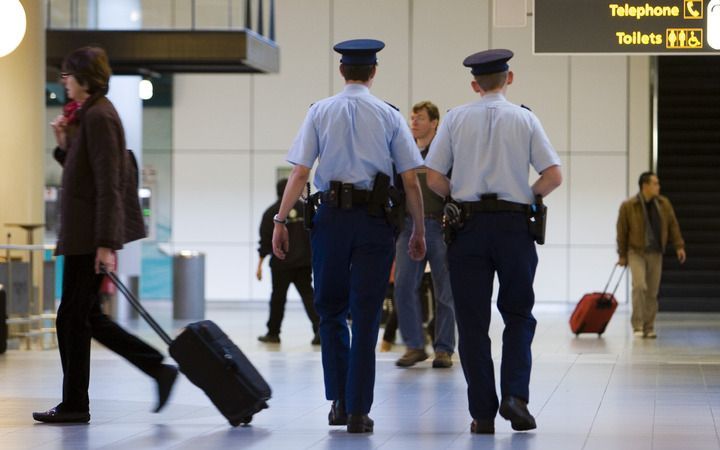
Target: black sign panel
633	26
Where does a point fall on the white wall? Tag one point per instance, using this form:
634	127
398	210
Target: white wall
230	132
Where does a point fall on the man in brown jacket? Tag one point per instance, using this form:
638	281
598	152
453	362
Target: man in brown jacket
645	223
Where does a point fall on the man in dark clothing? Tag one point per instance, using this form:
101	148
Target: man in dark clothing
295	268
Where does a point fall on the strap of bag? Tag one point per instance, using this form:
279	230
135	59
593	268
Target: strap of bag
136	304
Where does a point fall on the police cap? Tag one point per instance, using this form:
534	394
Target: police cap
359	52
488	61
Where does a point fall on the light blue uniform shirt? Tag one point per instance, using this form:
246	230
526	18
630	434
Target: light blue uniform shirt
354	135
490	145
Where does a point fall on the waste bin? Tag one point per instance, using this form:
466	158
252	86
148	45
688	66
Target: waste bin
189	285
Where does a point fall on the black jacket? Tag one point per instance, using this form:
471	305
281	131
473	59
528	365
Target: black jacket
299	254
99	204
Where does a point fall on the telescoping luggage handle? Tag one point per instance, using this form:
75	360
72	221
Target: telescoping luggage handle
616	284
136	304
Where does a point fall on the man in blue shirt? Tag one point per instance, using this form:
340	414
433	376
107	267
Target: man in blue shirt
355	137
490	145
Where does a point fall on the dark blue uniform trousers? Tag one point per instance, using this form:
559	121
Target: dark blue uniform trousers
352	255
489	243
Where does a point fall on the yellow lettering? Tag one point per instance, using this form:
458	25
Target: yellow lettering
638	38
641	12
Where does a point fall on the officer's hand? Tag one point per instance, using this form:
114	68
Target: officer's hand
258	273
681	255
416	247
622	261
280	240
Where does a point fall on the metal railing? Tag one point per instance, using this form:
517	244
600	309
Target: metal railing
167	14
31	319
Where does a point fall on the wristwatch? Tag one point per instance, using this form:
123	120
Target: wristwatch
277	219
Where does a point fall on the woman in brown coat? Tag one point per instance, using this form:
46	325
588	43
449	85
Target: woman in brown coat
99	213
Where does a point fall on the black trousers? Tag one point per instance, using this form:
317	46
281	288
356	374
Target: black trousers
301	277
79	319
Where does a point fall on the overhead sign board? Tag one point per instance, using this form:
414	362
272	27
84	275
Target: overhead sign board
643	27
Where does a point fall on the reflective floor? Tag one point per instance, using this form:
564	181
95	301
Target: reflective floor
617	392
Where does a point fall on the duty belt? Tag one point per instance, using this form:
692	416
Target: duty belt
332	197
493	205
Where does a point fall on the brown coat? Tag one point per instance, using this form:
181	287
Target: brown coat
631	226
99	201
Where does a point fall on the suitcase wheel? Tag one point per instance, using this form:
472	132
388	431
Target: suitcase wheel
244	421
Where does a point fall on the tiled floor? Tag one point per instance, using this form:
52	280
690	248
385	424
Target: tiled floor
617	392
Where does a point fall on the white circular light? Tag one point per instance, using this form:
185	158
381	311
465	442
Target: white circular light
12	25
145	89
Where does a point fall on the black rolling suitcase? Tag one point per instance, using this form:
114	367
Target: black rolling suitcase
213	363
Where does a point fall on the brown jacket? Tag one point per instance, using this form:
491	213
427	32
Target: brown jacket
99	201
631	226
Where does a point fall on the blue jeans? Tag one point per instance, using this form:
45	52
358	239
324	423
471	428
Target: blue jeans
408	275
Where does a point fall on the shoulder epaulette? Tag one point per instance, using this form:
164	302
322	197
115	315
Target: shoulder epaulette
526	107
393	106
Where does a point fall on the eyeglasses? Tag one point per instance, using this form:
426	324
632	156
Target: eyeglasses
64	75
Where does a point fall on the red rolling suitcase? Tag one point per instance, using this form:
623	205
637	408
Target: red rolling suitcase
594	311
213	363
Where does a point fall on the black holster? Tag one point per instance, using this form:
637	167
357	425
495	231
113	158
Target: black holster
537	218
453	220
387	201
309	208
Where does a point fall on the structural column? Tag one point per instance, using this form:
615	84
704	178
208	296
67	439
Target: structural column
22	131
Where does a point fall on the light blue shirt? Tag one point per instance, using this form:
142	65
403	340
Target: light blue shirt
490	145
354	135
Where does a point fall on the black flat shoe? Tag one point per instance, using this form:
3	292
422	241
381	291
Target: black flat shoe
56	415
482	426
337	415
515	410
269	339
359	423
165	382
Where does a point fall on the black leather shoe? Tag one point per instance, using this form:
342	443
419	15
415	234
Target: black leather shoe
337	415
56	415
165	381
269	339
359	423
515	410
482	426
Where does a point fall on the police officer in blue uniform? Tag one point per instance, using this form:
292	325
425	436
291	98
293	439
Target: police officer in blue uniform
357	139
490	145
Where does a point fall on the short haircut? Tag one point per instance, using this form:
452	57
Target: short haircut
491	81
90	67
356	73
432	110
645	178
280	187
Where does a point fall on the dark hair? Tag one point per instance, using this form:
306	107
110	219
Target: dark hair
491	81
280	187
90	67
356	73
645	178
432	110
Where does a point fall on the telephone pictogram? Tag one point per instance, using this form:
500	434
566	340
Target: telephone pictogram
693	9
